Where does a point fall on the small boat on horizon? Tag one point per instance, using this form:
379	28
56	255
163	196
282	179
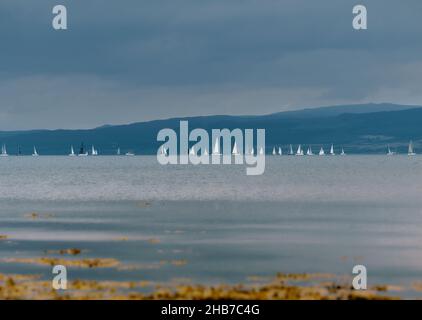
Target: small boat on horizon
274	152
235	151
129	154
411	152
72	152
216	150
3	151
389	152
332	150
35	153
342	152
299	151
291	151
82	152
309	151
261	151
94	151
321	152
280	152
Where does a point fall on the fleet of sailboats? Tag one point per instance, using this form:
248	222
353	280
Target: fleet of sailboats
216	151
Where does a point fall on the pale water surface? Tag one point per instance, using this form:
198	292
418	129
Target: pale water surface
305	214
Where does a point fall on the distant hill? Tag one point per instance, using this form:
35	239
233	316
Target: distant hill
358	128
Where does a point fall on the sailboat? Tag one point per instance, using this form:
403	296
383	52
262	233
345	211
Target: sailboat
332	150
94	151
309	152
3	151
280	152
235	152
274	153
82	152
216	150
299	151
261	151
321	152
129	154
252	151
291	150
411	152
72	152
35	153
163	151
118	151
389	152
342	152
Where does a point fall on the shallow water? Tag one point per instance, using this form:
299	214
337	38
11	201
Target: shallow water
305	214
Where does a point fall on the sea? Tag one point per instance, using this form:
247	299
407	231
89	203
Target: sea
212	223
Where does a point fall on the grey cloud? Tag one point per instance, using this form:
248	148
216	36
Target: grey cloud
132	60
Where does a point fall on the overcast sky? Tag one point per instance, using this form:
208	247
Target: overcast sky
136	60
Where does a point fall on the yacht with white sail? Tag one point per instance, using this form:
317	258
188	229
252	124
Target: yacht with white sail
3	151
82	152
280	152
389	152
35	153
94	151
309	151
235	151
261	152
192	151
291	151
342	152
274	152
118	151
411	152
72	152
216	150
321	152
332	150
299	151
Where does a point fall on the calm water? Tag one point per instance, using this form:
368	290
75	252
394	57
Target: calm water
305	214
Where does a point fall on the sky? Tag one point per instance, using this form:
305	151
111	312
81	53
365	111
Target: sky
138	60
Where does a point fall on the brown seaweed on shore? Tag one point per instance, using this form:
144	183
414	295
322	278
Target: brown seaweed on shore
82	263
26	287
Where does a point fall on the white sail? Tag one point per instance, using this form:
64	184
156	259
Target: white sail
291	150
321	151
3	151
280	152
216	150
342	152
411	152
274	153
35	153
72	152
261	151
332	150
299	151
118	151
235	152
94	151
309	152
389	152
252	151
